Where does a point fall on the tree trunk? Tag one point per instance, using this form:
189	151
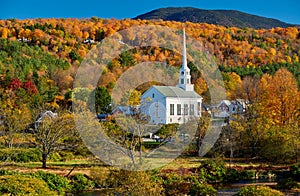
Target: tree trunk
141	150
253	150
231	155
44	160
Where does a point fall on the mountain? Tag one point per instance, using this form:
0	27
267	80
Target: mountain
230	18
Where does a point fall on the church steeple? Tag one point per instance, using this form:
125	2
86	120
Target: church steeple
184	75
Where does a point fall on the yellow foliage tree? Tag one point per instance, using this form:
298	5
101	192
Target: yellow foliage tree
280	98
5	33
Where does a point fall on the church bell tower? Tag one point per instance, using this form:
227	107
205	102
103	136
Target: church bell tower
184	75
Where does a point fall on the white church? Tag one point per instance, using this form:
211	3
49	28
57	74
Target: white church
173	104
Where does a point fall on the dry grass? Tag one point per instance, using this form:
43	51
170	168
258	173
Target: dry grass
86	166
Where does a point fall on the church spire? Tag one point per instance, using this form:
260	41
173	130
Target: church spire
184	60
184	75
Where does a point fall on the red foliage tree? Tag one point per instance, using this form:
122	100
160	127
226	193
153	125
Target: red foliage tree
30	87
15	84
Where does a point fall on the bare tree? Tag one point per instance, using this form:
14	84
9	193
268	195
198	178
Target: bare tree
129	136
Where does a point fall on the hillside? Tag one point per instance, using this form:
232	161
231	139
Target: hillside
228	18
65	41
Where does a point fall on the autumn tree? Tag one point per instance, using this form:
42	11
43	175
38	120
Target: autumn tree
202	128
252	128
15	119
5	33
250	89
114	142
232	83
132	97
229	141
167	131
49	132
133	128
273	120
280	98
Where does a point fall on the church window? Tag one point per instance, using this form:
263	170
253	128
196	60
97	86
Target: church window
185	109
199	108
171	109
192	109
178	109
170	119
182	81
182	73
187	81
153	95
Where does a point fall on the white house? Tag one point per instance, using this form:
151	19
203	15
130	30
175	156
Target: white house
173	104
24	39
226	108
239	106
123	110
48	114
89	41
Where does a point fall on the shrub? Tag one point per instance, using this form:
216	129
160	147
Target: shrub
169	178
178	188
295	171
133	183
282	152
55	157
212	170
258	190
20	155
247	174
80	182
23	185
233	175
54	181
66	155
288	183
100	176
7	172
175	184
151	145
202	189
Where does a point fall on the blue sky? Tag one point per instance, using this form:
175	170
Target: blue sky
286	11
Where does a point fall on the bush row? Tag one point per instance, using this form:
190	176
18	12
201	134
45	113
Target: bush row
25	155
20	154
41	183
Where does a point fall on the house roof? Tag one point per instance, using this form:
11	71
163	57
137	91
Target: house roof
243	102
226	102
173	91
47	113
123	109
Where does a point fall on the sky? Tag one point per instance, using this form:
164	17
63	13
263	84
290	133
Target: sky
284	10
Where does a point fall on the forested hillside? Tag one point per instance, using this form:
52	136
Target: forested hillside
68	40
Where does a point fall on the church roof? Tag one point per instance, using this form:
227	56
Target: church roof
173	91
